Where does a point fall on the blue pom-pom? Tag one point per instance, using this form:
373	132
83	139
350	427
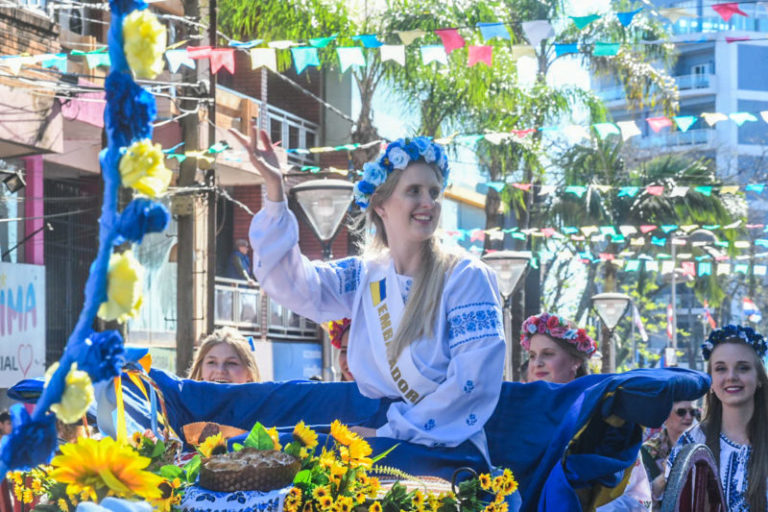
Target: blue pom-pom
140	217
130	109
31	443
101	354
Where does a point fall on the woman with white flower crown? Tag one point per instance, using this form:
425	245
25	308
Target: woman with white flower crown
426	327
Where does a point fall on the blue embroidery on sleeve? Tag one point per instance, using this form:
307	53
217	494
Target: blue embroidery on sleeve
474	321
471	419
469	387
348	272
429	425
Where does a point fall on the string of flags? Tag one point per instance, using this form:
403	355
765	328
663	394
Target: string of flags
305	54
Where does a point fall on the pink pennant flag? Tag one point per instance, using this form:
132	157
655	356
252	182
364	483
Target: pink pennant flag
727	10
606	256
730	40
478	235
689	268
223	57
657	123
647	228
548	232
522	186
451	39
477	54
198	52
655	190
521	134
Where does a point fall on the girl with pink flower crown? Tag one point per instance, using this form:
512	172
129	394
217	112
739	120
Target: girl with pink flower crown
558	352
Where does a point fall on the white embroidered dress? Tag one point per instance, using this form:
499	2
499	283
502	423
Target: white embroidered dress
449	385
734	459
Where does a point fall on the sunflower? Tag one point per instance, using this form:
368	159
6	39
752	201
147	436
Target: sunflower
485	481
360	498
327	459
213	445
418	499
321	491
305	435
502	507
375	507
170	496
89	467
498	483
344	504
342	434
307	507
356	454
63	505
275	437
325	502
337	473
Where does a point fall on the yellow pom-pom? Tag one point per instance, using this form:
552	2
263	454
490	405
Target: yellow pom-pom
77	396
144	43
142	168
124	288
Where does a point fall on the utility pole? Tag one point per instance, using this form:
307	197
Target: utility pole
184	210
210	182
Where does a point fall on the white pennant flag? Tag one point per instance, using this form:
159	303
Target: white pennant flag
178	58
628	129
395	52
538	30
266	57
678	192
652	266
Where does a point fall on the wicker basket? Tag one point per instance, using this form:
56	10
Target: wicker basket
248	470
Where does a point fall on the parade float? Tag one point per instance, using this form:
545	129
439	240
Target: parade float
568	447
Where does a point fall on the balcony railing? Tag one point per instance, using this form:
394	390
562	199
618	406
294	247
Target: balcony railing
696	81
676	140
239	305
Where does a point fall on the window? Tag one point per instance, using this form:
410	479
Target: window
699	69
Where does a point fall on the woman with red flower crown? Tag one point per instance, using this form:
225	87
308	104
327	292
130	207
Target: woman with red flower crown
559	352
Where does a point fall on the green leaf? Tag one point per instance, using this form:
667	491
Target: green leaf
192	468
171	471
383	454
303	477
236	447
259	438
158	449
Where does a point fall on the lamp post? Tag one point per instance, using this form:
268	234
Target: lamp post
610	307
510	267
324	203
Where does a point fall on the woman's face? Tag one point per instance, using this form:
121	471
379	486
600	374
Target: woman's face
734	375
548	361
412	212
346	375
677	424
221	364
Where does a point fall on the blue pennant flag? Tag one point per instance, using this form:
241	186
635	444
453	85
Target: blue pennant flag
304	56
368	40
565	48
491	30
625	18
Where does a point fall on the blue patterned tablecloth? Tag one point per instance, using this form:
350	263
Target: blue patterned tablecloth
197	499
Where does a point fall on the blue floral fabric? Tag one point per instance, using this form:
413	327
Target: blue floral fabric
473	321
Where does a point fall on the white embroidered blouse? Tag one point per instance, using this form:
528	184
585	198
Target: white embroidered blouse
464	359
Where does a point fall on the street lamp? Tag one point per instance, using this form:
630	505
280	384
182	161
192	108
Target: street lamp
510	266
324	203
610	307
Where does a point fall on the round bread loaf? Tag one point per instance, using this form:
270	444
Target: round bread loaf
248	470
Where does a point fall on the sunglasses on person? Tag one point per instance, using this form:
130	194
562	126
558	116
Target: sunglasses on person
682	411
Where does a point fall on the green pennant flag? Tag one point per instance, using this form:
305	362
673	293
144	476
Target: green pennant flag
577	190
706	190
606	49
583	21
605	129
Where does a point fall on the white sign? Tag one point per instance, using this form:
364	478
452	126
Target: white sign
22	322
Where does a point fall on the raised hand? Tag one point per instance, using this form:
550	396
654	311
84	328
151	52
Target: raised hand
265	160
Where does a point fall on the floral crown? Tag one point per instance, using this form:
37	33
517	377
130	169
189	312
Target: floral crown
746	334
559	328
398	155
336	330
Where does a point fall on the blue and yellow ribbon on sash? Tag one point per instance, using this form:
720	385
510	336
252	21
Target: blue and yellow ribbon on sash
378	291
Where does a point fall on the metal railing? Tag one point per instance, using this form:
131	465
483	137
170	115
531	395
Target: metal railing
239	305
695	81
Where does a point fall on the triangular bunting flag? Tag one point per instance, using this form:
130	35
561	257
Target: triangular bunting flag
451	39
409	36
198	52
602	49
95	60
303	57
678	191
537	30
266	57
628	192
728	10
368	40
349	57
713	118
566	48
628	129
522	50
395	52
281	45
684	122
657	123
322	42
742	117
582	21
223	58
55	60
482	54
246	44
491	30
605	129
434	53
625	18
178	58
655	190
675	13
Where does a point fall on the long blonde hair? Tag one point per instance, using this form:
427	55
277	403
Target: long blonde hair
234	339
424	298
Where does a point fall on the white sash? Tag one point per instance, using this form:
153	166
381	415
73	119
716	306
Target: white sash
383	312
